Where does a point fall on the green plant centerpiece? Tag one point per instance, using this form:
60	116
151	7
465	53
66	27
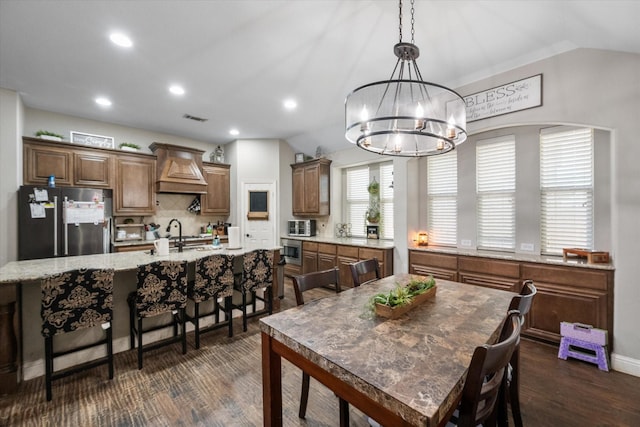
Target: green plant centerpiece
402	298
129	146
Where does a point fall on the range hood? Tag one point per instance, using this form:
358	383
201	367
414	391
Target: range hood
178	169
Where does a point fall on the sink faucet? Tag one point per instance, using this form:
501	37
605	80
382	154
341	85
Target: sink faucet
179	243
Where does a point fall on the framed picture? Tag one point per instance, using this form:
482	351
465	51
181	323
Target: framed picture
372	232
299	157
258	205
99	141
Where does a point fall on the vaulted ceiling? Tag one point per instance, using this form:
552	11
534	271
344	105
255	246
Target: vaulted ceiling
238	60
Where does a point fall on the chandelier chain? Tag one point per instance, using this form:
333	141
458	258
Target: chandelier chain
412	22
400	19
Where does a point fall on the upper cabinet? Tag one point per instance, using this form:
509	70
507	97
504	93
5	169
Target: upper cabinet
217	199
134	193
42	159
311	188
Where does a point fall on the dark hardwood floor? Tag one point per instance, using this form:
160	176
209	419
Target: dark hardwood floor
220	385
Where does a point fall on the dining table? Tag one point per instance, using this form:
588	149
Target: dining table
407	371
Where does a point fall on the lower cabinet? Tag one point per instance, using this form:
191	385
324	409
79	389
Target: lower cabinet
309	257
327	256
565	293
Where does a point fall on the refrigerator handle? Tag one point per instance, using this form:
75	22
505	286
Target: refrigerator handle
66	227
55	225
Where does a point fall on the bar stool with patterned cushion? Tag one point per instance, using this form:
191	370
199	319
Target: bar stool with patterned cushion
74	300
257	273
214	280
162	288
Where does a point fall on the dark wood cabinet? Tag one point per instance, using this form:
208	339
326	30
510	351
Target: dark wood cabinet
346	256
42	159
327	256
310	182
217	200
93	169
134	192
309	257
566	293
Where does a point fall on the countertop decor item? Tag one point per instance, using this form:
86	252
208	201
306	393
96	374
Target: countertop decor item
401	299
128	146
45	134
405	116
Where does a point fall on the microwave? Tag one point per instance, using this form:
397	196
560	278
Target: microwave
305	227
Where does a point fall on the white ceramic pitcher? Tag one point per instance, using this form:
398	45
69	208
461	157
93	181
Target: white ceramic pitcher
162	246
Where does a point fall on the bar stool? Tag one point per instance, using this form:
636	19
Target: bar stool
73	300
257	272
214	280
162	288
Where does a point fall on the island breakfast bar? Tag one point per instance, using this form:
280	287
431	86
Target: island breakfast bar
20	302
407	371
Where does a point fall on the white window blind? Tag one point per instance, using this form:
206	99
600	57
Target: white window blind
566	189
495	193
442	195
357	200
386	200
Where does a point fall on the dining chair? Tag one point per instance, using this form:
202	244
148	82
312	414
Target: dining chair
257	273
486	377
74	300
161	289
301	284
365	271
213	283
522	303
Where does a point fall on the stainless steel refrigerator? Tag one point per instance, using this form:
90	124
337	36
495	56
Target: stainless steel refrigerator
63	221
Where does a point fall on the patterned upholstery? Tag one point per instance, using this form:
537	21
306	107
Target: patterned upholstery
76	299
214	278
257	269
162	287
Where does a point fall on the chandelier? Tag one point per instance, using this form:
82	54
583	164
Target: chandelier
405	116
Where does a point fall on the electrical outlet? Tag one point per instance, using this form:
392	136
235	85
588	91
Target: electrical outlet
526	247
465	243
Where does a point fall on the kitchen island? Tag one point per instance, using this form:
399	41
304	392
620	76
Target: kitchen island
21	344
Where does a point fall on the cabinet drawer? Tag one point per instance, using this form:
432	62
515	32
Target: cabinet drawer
348	251
449	262
310	246
326	248
367	253
489	266
568	276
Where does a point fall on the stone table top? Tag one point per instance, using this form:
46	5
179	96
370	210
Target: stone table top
22	271
414	365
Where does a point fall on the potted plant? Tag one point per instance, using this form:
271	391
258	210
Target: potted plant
128	146
402	298
45	134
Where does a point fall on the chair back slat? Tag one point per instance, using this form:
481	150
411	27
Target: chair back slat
365	271
257	269
523	302
162	287
76	299
316	279
213	278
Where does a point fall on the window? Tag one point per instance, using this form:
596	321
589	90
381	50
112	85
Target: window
442	194
566	189
495	193
357	181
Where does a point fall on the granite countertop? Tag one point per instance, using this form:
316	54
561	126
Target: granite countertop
20	271
413	365
348	241
521	257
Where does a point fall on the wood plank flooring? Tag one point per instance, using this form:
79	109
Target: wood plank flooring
220	385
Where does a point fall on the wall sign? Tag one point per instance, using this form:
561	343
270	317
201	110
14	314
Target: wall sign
92	140
511	97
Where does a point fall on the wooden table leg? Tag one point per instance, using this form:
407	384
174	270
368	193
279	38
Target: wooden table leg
271	384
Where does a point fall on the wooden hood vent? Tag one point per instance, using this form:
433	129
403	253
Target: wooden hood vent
179	169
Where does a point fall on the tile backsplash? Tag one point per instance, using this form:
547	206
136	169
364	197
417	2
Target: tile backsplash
175	206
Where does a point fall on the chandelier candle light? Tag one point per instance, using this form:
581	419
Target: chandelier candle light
405	116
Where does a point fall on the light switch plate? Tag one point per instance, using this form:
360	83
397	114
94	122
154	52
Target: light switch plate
526	247
465	242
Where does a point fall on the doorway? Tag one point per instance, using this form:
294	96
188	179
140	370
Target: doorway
259	221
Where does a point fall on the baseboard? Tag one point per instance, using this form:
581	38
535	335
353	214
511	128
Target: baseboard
625	365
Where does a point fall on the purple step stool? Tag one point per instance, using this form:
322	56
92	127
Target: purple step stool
578	337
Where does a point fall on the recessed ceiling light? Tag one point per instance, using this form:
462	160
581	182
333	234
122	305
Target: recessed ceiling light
234	132
105	102
121	40
290	104
176	90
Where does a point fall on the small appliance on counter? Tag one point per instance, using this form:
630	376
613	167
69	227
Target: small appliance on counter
303	228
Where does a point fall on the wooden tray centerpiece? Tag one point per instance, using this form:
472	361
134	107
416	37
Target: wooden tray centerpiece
403	298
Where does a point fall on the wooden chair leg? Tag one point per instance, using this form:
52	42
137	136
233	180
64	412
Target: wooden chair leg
514	388
140	343
196	323
132	322
304	395
48	350
229	313
110	350
244	311
182	313
344	413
